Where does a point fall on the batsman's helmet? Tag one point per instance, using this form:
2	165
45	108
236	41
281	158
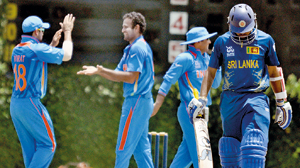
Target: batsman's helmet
242	19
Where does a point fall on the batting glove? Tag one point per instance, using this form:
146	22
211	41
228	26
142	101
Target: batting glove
283	114
195	108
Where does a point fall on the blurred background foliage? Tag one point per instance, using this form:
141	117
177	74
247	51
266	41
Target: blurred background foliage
86	110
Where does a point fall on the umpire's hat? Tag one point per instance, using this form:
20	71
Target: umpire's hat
197	34
33	22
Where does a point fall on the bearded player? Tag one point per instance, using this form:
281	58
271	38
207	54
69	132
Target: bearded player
251	64
136	71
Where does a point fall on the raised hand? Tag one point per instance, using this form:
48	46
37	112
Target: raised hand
56	38
68	23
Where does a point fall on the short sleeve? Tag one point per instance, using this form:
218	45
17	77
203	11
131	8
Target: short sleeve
216	55
271	57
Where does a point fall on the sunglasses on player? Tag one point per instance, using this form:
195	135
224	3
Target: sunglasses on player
41	29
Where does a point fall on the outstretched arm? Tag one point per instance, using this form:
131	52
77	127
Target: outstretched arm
117	76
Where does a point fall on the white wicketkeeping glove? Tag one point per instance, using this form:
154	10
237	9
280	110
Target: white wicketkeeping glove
283	115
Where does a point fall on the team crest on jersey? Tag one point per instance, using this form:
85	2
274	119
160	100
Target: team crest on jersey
252	50
197	65
230	51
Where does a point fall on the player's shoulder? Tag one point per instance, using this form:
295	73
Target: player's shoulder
185	57
262	34
43	48
39	46
139	44
222	39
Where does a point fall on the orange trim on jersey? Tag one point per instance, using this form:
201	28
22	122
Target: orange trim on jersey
126	128
50	134
125	131
188	80
49	131
194	54
143	40
195	91
153	70
43	79
24	44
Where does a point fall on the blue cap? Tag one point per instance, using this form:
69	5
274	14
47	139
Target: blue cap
32	23
197	34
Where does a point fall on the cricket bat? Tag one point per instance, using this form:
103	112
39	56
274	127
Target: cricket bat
202	140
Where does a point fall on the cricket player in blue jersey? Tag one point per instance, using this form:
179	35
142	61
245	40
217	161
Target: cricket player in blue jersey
29	62
251	64
188	69
136	70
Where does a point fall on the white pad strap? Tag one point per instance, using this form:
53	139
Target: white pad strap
67	46
281	95
276	78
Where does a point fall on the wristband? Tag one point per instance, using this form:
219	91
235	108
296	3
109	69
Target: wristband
276	78
281	95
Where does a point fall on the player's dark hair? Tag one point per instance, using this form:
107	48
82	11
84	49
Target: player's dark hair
137	19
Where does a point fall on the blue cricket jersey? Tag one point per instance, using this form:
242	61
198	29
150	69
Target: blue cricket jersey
29	62
138	57
245	66
189	69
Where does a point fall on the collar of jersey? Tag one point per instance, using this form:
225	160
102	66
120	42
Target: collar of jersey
26	38
139	38
195	52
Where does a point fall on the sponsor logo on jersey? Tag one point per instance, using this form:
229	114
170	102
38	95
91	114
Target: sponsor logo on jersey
197	65
242	64
132	55
230	51
178	65
124	67
252	50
